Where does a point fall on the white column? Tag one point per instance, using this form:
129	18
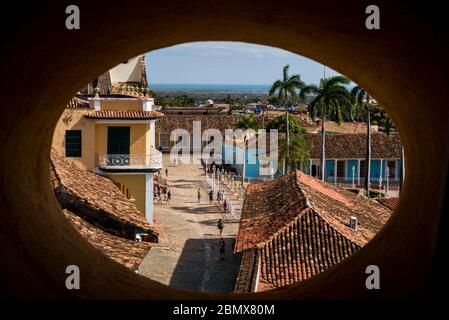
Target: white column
310	165
97	103
381	163
358	172
152	133
149	197
380	174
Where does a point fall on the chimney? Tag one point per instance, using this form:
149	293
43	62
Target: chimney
353	222
96	99
148	104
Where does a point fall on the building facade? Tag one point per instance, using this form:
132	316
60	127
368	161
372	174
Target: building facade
114	136
345	159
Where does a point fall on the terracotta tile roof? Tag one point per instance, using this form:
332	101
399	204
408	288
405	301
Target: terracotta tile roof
307	247
353	146
300	227
172	122
126	252
271	206
96	196
248	268
78	103
344	127
124	114
390	203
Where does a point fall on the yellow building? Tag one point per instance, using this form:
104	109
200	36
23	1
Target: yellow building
114	136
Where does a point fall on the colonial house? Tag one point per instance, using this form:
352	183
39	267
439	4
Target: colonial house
97	200
296	226
114	134
104	216
345	158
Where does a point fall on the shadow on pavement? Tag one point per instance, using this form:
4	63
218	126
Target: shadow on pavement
200	268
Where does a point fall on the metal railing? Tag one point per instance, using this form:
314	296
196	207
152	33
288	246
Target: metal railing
233	206
136	161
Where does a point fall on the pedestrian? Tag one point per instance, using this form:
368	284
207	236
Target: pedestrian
168	196
159	195
220	226
221	246
211	196
166	172
225	205
199	195
164	192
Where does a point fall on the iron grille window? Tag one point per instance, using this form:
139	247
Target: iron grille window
73	143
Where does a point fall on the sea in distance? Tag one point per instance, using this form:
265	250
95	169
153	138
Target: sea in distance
216	88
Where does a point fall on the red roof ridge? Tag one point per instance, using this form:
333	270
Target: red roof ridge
124	114
321	187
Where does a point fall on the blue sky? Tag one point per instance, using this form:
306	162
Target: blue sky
228	63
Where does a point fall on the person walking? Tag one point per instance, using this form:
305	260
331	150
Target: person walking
164	192
225	205
159	199
211	197
166	172
220	226
222	246
168	196
199	195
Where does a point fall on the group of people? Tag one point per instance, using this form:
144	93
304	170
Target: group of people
220	197
162	194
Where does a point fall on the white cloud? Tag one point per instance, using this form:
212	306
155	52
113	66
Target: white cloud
228	49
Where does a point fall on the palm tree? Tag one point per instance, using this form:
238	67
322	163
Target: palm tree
284	87
388	125
331	99
245	123
362	98
298	150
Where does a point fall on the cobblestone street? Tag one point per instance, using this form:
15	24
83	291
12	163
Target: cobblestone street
188	255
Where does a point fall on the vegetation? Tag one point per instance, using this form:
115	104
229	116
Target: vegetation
279	124
248	122
331	100
178	101
296	152
283	88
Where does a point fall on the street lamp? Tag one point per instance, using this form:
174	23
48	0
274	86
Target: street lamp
387	174
213	180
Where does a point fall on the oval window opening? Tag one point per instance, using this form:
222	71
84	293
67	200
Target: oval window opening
236	168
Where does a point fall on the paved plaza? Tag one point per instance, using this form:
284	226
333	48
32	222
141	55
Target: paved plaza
188	255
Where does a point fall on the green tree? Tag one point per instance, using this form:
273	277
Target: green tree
283	88
330	99
362	99
279	124
297	150
387	124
